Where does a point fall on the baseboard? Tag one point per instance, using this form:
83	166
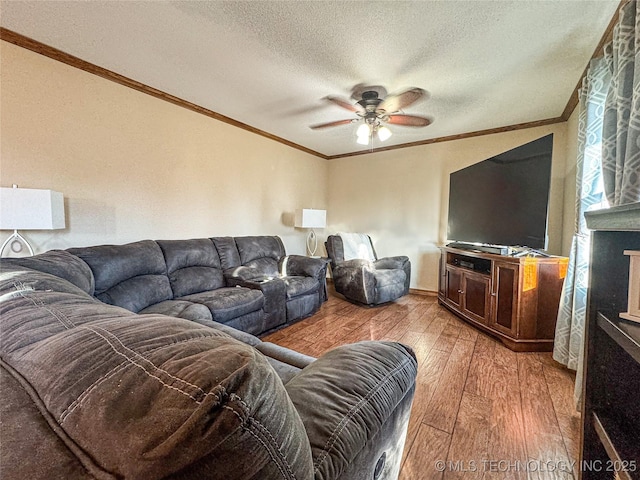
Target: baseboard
426	293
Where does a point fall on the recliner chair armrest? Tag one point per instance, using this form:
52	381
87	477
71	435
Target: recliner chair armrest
356	280
391	262
354	403
299	265
355	263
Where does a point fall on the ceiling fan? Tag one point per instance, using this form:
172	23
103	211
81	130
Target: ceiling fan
375	112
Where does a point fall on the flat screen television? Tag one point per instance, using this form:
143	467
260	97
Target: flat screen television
503	200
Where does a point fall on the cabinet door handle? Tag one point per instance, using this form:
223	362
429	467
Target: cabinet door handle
460	291
494	294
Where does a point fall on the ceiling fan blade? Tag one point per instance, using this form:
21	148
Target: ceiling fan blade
409	120
341	102
394	103
333	124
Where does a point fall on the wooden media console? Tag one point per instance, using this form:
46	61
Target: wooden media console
513	298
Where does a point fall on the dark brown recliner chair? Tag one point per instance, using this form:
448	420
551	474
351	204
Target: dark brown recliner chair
360	275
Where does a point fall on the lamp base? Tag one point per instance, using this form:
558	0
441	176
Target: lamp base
16	244
312	243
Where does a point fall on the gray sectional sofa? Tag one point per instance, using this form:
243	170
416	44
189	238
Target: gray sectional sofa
248	283
91	390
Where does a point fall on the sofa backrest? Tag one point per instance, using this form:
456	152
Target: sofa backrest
17	281
227	251
193	266
132	276
262	252
59	263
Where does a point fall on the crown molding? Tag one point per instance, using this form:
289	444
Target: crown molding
460	136
63	57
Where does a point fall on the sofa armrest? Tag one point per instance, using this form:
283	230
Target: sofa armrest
272	288
284	354
347	397
275	295
299	265
391	262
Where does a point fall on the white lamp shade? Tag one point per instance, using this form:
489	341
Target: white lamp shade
363	140
384	133
31	209
311	218
363	130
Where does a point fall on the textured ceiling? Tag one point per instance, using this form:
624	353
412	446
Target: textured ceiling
268	64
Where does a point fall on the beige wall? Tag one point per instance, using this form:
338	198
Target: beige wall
400	197
132	167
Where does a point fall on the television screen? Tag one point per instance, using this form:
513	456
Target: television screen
503	200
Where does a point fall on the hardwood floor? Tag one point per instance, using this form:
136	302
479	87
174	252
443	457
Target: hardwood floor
480	410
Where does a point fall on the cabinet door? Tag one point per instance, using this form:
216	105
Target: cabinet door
454	286
504	305
475	296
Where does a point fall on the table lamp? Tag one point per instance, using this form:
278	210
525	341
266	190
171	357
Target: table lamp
29	209
311	218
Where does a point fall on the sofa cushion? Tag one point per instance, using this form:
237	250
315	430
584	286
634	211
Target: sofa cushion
59	263
193	266
137	396
227	251
297	286
262	253
138	292
228	303
179	309
132	276
268	266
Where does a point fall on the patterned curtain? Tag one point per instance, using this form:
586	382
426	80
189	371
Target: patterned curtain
568	345
621	134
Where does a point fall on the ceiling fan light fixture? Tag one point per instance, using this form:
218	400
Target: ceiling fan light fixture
364	130
363	140
363	133
373	111
384	133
